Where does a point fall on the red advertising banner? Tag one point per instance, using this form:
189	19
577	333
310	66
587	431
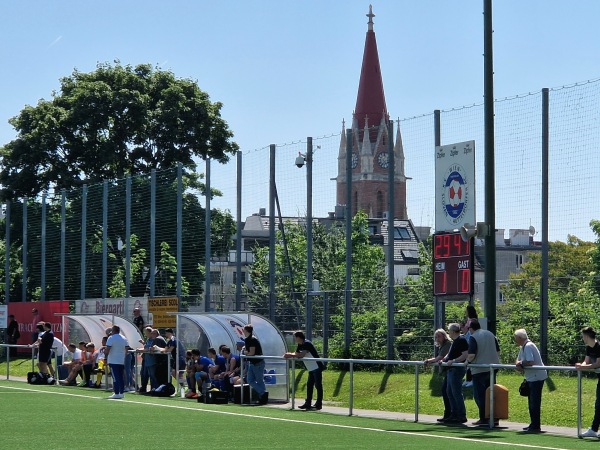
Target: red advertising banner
45	312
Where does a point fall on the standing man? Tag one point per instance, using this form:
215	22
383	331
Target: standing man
45	342
138	320
483	349
176	350
529	355
457	354
315	370
13	334
161	375
147	360
256	368
591	362
116	348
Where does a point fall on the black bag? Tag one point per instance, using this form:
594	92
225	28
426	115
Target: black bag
524	389
164	390
39	378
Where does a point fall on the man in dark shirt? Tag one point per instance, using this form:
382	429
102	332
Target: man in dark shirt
12	334
457	354
45	342
591	362
138	320
315	370
256	368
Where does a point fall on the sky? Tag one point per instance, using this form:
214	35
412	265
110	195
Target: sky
289	69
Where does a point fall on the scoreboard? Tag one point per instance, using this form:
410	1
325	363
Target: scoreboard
452	265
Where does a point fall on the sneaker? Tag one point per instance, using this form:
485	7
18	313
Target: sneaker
83	383
304	406
467	384
589	433
317	406
64	382
443	419
115	396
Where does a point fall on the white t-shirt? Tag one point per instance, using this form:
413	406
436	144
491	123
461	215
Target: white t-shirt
59	348
118	348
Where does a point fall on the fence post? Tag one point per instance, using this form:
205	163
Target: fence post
416	393
351	401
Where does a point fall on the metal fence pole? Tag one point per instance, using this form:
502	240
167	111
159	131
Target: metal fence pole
24	257
152	231
43	251
351	401
83	241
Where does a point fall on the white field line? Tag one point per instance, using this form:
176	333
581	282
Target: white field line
305	422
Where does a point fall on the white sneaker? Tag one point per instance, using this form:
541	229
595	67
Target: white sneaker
589	433
116	396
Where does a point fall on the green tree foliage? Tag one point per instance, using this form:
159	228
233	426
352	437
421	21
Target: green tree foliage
114	121
572	301
329	263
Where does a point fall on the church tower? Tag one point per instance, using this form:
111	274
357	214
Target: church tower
370	144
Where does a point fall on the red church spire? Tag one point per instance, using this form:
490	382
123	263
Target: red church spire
371	99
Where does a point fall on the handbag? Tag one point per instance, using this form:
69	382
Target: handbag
524	389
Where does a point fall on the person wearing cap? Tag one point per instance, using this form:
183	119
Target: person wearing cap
176	350
305	348
138	320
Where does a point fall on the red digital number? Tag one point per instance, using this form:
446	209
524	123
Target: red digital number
464	281
439	283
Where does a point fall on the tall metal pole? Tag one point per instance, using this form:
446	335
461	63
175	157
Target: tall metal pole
83	241
128	236
179	227
545	218
272	232
309	237
238	232
152	231
391	306
490	179
207	234
348	217
24	253
43	255
63	240
439	310
104	238
7	253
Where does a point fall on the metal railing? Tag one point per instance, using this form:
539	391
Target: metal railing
417	365
33	348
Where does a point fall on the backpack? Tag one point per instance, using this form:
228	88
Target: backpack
39	378
164	390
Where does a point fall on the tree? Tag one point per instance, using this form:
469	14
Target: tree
114	121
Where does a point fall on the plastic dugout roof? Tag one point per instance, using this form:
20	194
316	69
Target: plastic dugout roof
205	330
95	326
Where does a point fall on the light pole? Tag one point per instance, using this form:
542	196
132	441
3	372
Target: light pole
301	160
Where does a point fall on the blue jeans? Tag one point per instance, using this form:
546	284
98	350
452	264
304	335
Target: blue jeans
256	374
535	402
152	375
454	380
117	371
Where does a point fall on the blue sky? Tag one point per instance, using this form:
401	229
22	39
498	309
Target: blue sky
288	69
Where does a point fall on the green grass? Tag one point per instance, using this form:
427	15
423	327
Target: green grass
396	392
55	417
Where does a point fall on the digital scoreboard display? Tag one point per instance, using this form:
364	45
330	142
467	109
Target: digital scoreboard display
452	265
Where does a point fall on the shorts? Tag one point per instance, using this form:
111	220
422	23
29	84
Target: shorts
45	356
201	375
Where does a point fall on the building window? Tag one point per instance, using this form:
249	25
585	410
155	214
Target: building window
518	260
215	277
372	229
401	233
243	277
410	255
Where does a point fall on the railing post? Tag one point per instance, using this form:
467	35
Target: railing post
578	402
293	382
351	402
491	421
416	393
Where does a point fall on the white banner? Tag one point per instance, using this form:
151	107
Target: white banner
122	307
3	316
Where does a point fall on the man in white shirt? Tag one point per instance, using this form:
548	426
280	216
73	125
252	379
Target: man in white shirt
116	349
